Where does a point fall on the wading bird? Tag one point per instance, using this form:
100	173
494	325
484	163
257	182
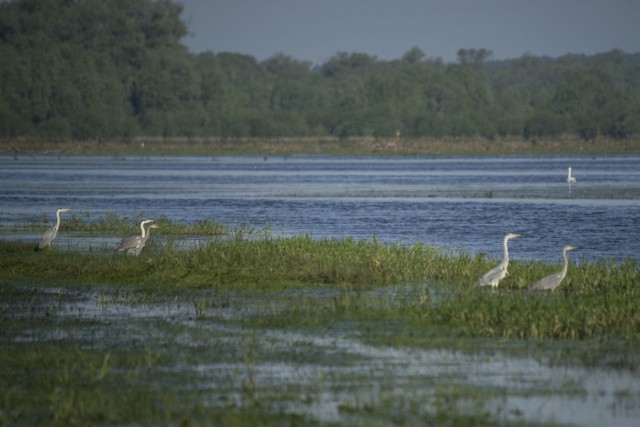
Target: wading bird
551	282
136	251
570	178
493	276
130	244
51	233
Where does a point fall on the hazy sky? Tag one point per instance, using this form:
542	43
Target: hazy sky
316	30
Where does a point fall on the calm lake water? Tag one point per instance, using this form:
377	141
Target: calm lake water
460	202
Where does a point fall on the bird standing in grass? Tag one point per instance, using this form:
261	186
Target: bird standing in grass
496	274
130	244
552	281
52	232
136	251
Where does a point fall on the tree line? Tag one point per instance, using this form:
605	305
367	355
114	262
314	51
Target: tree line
117	68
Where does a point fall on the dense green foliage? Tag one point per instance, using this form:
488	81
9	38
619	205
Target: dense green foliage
117	68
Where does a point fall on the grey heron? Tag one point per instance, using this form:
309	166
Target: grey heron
136	251
493	276
52	232
552	281
129	244
570	178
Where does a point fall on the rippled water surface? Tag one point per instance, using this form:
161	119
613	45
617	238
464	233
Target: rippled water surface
339	372
464	203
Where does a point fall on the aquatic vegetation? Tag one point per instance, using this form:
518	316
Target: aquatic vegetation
84	354
595	301
114	224
281	331
265	263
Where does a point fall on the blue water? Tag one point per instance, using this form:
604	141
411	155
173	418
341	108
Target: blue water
459	202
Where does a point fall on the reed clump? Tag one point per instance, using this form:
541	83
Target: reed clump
247	263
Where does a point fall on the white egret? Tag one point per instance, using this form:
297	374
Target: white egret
496	274
570	178
552	281
52	232
129	244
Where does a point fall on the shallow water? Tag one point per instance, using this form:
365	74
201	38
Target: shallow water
462	202
326	373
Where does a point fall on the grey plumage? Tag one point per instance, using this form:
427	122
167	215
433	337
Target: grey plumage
52	232
496	274
136	251
130	244
552	281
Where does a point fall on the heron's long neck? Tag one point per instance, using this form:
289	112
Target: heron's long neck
505	258
145	237
563	272
57	219
142	228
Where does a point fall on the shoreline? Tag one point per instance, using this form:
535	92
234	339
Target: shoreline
317	145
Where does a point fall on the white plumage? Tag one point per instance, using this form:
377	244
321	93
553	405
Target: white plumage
496	274
52	232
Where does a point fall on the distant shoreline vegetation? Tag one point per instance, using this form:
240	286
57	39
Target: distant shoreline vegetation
97	70
316	145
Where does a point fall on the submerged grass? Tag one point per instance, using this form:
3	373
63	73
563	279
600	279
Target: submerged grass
61	385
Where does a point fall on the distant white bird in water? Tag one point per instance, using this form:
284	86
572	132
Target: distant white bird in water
130	244
552	281
495	275
136	251
52	232
570	178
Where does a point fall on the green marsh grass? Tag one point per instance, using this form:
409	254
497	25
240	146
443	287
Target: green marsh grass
115	224
387	296
596	300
